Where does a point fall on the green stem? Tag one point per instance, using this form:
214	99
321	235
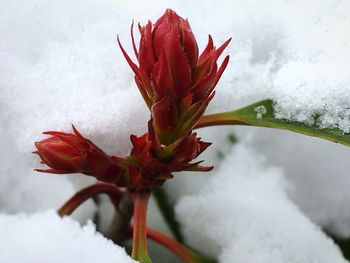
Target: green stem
80	197
225	118
168	213
139	242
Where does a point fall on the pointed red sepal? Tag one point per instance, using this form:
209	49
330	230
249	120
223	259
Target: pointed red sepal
132	65
50	171
205	86
222	47
221	70
199	168
133	40
202	146
77	133
207	50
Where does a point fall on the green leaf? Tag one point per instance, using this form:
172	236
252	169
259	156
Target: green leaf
261	114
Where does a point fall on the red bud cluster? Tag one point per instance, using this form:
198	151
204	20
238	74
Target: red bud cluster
177	84
175	81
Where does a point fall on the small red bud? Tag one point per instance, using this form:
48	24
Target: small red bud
72	153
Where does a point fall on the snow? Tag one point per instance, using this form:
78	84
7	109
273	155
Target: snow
243	214
60	64
45	237
260	111
22	189
317	170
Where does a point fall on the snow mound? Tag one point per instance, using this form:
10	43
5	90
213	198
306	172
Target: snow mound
45	237
317	170
244	215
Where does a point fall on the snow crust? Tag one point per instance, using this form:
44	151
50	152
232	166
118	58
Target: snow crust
45	237
243	214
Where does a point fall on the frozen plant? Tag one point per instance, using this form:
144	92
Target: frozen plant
177	84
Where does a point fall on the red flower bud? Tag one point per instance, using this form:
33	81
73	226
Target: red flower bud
72	153
176	83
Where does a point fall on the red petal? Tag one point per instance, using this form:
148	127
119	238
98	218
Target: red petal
161	33
207	50
180	69
222	48
221	70
200	110
146	54
189	44
72	141
163	79
139	143
203	68
164	114
202	146
56	157
77	133
133	40
161	19
202	90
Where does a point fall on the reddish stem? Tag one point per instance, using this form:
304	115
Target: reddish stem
80	197
183	252
139	240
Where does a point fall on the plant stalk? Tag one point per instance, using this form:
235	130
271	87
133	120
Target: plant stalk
139	242
80	197
224	118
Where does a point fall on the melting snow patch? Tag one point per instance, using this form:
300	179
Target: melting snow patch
260	111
